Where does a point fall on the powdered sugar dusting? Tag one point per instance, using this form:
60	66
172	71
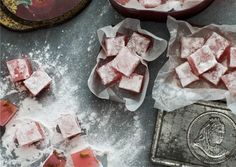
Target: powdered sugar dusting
108	132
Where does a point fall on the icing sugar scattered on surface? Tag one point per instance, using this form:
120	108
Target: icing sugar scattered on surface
104	124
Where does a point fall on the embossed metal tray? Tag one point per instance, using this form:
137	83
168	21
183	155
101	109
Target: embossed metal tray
200	135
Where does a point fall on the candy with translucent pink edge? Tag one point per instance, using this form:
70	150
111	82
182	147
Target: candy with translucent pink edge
189	45
85	158
202	60
7	111
108	74
150	3
138	43
132	83
68	126
29	133
20	69
126	61
122	2
230	82
185	74
37	82
232	61
114	45
214	75
217	44
55	159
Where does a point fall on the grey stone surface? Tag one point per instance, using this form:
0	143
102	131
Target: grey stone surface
75	37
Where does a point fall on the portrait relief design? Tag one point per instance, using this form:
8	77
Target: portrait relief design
211	138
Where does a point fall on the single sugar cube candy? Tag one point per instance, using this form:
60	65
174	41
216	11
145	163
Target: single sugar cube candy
190	45
37	82
7	111
55	159
202	60
114	45
132	83
29	133
85	158
108	74
126	61
214	75
230	82
185	74
150	3
232	61
20	69
138	43
68	126
217	44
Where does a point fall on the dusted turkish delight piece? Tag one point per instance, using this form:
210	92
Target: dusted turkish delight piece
20	69
138	43
29	133
132	83
126	61
122	2
37	82
85	158
214	75
7	111
55	159
108	74
150	3
202	60
217	44
68	126
230	82
232	61
185	74
189	45
114	45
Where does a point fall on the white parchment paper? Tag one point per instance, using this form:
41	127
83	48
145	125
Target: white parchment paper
127	27
167	92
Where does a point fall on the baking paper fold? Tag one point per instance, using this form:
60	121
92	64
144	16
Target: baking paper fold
132	101
167	92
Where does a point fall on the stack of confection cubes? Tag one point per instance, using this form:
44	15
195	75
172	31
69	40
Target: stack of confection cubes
121	69
212	60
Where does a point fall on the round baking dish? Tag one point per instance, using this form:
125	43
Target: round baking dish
154	15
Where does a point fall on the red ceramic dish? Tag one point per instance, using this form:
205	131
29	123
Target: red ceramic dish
155	15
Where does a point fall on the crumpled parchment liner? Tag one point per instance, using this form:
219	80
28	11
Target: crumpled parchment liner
167	92
132	101
169	6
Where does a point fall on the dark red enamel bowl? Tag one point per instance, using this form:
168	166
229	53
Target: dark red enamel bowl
154	15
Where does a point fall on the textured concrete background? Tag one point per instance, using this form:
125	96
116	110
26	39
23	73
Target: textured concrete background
99	14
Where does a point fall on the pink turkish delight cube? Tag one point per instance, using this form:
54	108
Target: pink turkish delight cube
108	74
185	74
132	83
232	61
68	126
230	82
37	82
29	133
122	2
190	45
214	75
217	44
55	159
150	3
202	60
126	61
138	43
20	69
114	45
